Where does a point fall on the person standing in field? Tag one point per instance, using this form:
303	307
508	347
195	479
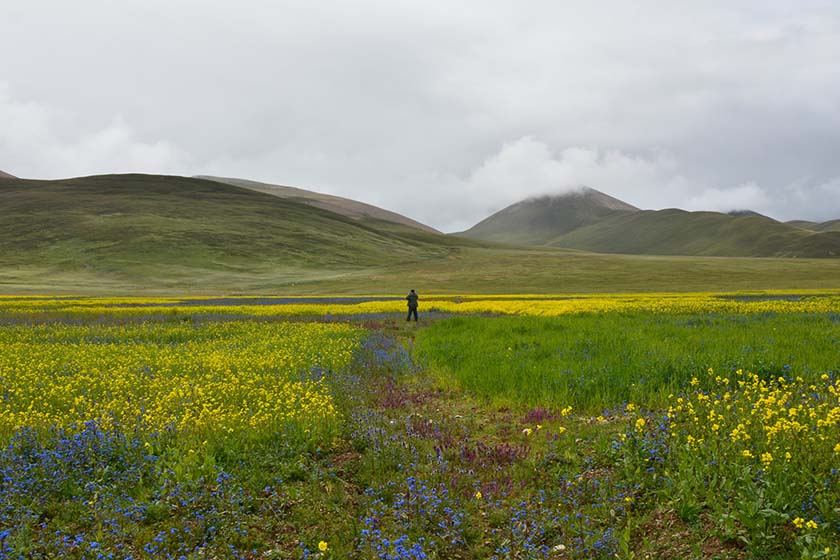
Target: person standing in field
412	305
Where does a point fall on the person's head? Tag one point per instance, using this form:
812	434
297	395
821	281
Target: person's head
412	291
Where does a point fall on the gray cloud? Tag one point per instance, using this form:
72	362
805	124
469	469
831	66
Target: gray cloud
442	111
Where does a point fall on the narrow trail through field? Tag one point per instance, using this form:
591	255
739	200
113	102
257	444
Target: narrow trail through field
436	468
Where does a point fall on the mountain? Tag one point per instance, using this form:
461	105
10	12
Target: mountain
538	221
678	232
343	206
4	175
590	220
133	224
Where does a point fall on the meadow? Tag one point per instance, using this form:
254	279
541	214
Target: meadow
635	426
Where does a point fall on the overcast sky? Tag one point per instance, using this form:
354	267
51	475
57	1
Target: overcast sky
444	111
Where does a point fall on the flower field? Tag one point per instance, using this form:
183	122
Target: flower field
631	426
202	380
532	305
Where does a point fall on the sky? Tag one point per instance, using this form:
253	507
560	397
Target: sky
443	111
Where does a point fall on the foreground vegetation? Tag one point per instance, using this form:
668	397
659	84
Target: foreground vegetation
596	361
661	426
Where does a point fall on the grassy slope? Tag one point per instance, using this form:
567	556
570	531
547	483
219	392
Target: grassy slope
146	225
831	225
170	235
339	205
677	232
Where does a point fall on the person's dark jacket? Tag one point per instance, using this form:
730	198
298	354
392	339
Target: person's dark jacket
412	300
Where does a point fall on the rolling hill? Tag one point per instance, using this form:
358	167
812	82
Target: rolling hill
4	175
343	206
589	220
678	232
832	225
537	221
123	223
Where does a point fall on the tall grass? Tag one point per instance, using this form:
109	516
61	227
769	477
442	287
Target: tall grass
599	360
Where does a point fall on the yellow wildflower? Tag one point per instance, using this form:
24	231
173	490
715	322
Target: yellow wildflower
766	459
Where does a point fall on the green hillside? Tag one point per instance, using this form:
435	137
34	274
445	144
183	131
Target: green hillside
677	232
537	221
832	225
590	220
134	234
340	205
124	223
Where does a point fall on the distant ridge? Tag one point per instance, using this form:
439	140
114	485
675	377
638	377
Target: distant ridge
540	220
4	175
590	220
678	232
832	225
340	205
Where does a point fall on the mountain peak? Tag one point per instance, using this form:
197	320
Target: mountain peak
587	195
745	214
540	220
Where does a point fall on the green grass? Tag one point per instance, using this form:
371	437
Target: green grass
466	270
597	361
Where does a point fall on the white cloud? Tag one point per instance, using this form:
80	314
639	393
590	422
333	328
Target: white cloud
440	111
528	167
34	143
741	197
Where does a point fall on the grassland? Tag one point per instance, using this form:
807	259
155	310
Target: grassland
594	362
661	426
457	270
